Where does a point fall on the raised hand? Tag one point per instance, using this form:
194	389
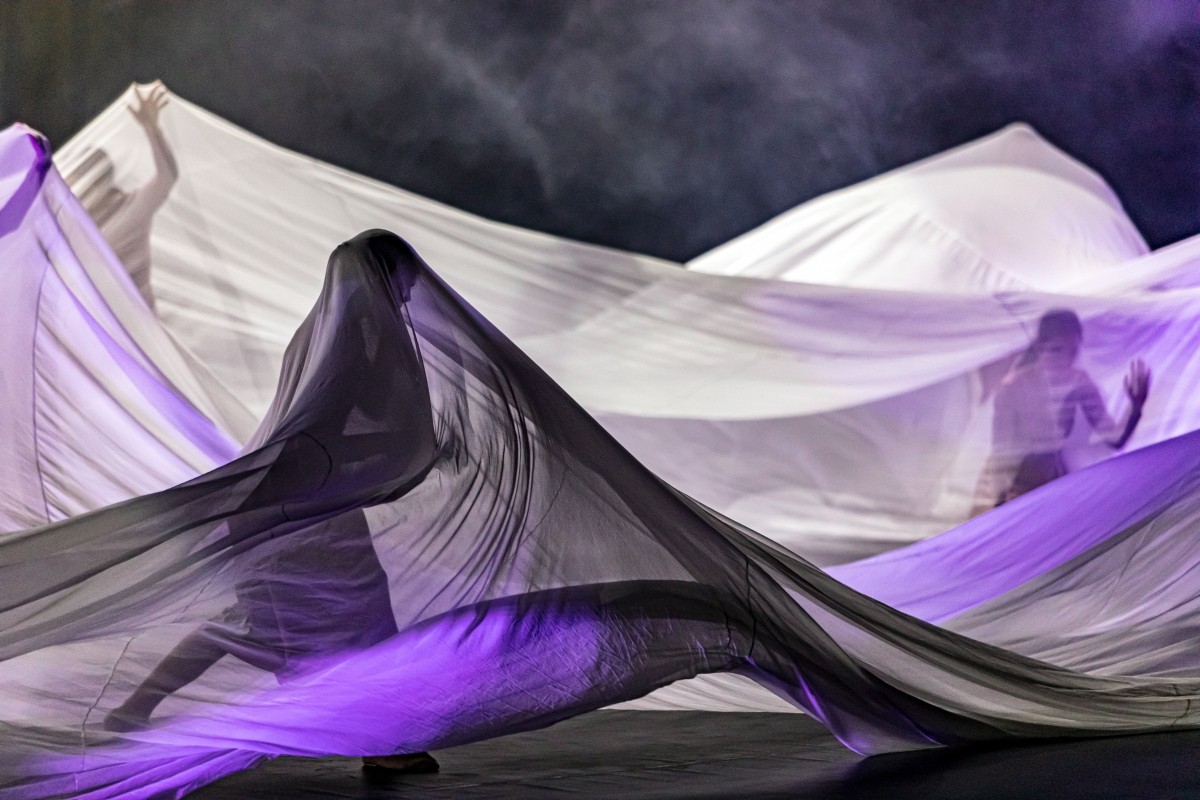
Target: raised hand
146	109
1137	383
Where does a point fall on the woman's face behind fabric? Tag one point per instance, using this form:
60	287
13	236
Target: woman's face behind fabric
1058	354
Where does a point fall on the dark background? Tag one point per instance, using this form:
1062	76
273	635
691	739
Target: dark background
662	127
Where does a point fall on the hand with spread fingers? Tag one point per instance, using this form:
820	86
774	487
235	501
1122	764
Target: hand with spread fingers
1137	383
149	104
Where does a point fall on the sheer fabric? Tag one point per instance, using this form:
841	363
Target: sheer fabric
866	414
840	422
534	569
99	402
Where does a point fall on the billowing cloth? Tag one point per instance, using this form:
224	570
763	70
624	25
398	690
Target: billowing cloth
839	422
533	567
866	414
535	570
1006	212
99	402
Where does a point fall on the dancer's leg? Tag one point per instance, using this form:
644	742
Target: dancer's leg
194	654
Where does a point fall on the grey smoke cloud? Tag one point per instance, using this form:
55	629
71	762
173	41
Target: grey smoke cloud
659	126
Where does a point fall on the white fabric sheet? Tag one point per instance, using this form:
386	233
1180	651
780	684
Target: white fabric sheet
869	404
1006	212
866	409
526	566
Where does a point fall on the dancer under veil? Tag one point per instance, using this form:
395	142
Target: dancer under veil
428	542
321	590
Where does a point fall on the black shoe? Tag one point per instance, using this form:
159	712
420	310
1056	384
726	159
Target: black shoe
408	763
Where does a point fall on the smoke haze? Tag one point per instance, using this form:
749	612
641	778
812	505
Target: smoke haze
661	127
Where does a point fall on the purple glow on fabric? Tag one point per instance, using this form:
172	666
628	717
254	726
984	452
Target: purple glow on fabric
24	161
411	692
942	577
197	429
543	573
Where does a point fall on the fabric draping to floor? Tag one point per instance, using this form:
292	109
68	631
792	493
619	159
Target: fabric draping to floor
866	415
529	568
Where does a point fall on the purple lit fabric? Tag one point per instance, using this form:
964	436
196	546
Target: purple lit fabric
428	542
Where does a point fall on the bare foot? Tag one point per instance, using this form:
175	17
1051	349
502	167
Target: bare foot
412	763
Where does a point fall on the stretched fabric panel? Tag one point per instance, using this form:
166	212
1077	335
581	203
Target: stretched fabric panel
426	541
99	404
867	414
236	193
1006	212
648	348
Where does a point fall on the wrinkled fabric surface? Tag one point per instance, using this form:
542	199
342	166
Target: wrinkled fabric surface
534	569
864	411
1006	212
838	421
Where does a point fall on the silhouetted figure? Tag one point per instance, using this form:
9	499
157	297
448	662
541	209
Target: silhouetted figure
125	218
1036	407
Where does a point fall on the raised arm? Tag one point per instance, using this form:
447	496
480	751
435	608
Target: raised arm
166	171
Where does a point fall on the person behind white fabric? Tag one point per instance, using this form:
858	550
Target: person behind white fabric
125	217
1036	407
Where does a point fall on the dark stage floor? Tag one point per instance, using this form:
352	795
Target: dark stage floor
631	754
